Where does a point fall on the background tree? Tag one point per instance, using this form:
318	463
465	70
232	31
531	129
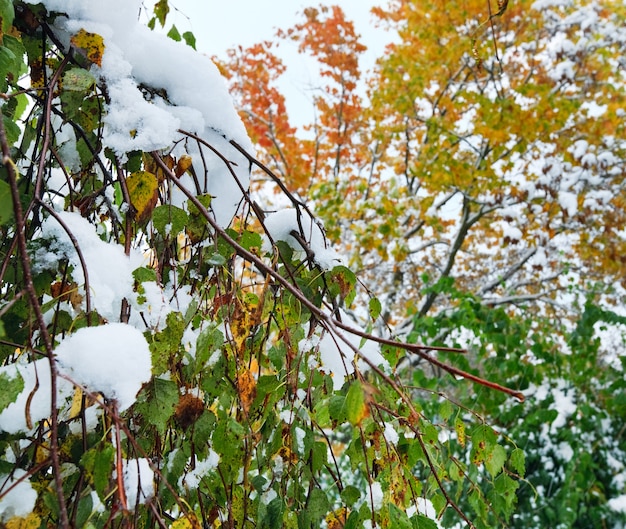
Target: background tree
486	204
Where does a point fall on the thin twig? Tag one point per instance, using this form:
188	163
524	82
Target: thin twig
20	229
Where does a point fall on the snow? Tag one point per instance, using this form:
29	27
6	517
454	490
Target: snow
390	434
201	468
151	100
299	435
138	482
20	500
109	269
376	492
593	110
337	357
13	418
618	503
424	507
112	359
569	202
281	224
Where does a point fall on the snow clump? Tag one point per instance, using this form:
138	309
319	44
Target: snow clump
112	359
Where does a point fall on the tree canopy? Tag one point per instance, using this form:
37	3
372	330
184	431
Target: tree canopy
408	313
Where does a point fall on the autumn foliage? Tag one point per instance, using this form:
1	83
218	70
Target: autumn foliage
406	313
476	176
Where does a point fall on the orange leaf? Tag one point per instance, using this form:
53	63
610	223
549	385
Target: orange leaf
246	385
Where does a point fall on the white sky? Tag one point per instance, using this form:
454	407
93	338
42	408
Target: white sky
219	25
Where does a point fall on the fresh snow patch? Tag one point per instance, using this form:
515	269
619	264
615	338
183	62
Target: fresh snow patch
150	100
618	503
280	226
390	434
138	481
377	496
192	479
109	269
20	500
13	417
112	359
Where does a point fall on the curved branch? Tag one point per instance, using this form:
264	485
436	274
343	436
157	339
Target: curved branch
333	324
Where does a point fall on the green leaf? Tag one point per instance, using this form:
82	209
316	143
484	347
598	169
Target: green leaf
337	408
7	61
174	34
7	14
190	39
143	274
98	464
166	345
398	518
518	461
251	241
216	260
419	521
209	341
317	504
274	513
102	469
78	80
504	497
494	459
6	203
161	9
169	220
375	308
445	409
11	388
322	414
319	456
356	409
350	495
84	510
160	400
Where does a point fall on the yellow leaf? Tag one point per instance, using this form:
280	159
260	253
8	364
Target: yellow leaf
240	324
246	384
142	188
189	521
77	403
42	452
152	167
184	163
32	521
91	45
337	519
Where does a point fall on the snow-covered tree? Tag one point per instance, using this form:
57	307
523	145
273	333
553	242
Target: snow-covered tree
478	189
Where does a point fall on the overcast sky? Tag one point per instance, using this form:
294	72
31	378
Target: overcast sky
222	24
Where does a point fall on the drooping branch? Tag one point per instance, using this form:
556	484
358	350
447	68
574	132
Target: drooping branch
331	322
20	228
